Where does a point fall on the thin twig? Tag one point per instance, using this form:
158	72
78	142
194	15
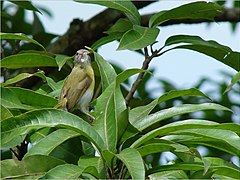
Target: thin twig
15	154
17	47
121	172
140	76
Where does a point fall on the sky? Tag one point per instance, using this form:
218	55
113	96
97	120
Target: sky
182	67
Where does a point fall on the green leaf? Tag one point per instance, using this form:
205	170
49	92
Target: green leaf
228	171
234	80
109	158
19	36
28	60
5	113
15	129
106	118
23	76
106	39
109	106
126	6
142	124
88	148
212	138
92	165
174	174
25	99
40	134
20	77
25	5
142	111
64	171
31	167
61	60
46	145
210	48
133	161
11	101
195	10
207	130
121	26
161	145
138	37
107	72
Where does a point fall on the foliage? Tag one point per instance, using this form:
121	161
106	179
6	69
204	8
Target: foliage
124	135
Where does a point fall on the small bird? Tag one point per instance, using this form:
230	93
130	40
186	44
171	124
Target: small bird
78	88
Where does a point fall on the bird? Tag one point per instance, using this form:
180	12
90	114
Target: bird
78	88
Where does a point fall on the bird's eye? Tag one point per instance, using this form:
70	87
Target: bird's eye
77	53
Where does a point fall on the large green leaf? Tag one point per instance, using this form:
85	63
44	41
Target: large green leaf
31	167
223	170
23	76
143	123
106	118
64	171
194	138
195	10
15	129
28	60
138	37
46	145
19	36
134	162
114	33
142	111
20	77
106	39
211	131
215	161
109	106
125	6
40	134
106	111
173	174
11	101
161	145
92	165
121	26
26	5
211	48
25	99
235	79
107	72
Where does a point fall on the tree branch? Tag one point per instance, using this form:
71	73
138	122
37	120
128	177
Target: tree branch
145	65
82	34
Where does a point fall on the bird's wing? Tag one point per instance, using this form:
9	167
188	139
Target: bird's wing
74	94
75	86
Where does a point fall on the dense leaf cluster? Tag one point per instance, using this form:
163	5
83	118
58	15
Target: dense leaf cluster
49	143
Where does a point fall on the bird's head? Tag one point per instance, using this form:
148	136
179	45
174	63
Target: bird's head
82	57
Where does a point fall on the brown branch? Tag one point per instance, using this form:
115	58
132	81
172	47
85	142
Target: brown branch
140	75
228	15
82	34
